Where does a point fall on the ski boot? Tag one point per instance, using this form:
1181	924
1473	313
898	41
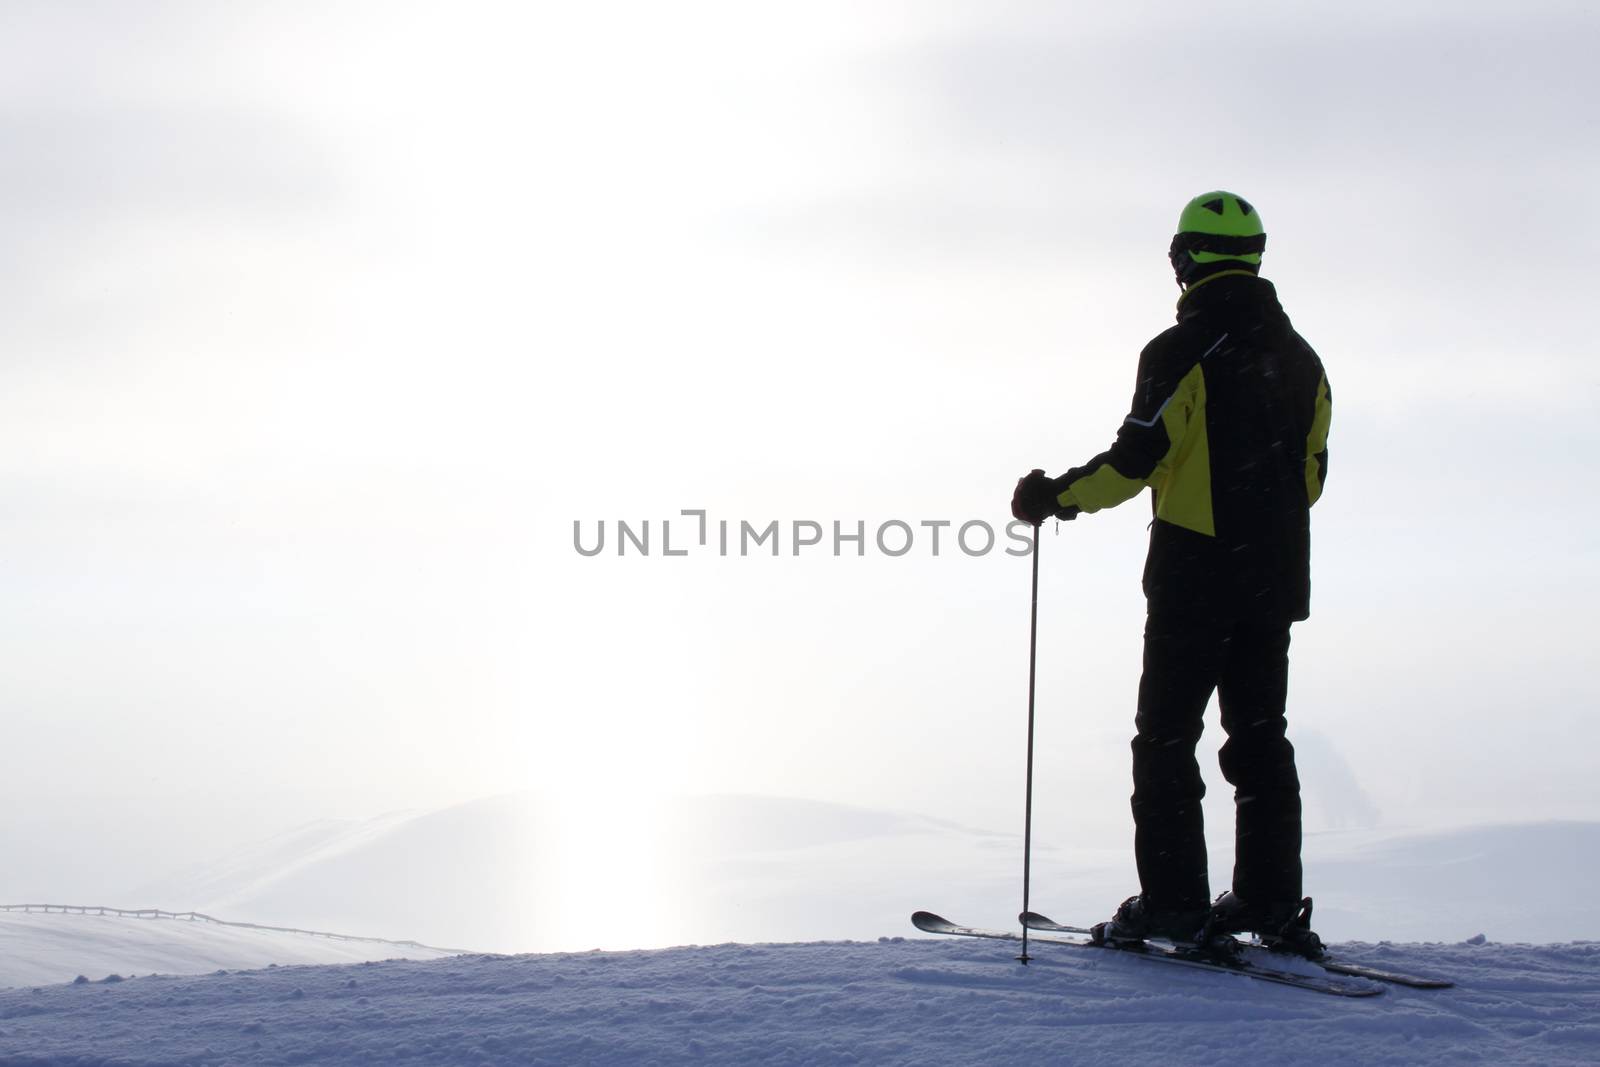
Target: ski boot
1282	926
1135	921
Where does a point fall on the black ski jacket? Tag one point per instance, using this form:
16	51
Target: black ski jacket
1229	427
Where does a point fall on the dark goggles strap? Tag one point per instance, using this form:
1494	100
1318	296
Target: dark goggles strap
1218	243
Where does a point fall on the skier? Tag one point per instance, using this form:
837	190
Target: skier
1229	428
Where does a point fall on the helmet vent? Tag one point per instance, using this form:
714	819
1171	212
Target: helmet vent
1244	206
1213	205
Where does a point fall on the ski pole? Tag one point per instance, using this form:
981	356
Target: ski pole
1027	818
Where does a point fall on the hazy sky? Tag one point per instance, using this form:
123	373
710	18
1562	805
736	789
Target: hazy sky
325	322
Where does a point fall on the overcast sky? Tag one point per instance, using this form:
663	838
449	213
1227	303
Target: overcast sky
324	323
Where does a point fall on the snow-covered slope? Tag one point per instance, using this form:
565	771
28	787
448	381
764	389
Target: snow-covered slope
531	873
518	871
1532	882
39	949
894	1002
249	865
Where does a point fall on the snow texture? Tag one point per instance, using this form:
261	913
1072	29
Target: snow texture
896	1001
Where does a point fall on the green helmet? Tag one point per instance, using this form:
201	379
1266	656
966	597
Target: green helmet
1216	227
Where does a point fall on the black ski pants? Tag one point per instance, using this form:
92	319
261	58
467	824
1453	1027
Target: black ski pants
1247	663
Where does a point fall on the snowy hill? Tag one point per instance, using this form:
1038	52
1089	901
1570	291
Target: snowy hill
530	873
216	885
1531	882
515	871
885	1003
39	948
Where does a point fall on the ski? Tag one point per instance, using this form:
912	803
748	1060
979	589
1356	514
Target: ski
1196	958
1034	921
1378	974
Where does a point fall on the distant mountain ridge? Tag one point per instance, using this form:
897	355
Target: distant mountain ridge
507	873
535	872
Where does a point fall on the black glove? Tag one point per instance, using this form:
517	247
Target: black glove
1036	498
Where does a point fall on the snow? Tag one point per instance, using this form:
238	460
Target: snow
40	949
773	878
894	1001
528	873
